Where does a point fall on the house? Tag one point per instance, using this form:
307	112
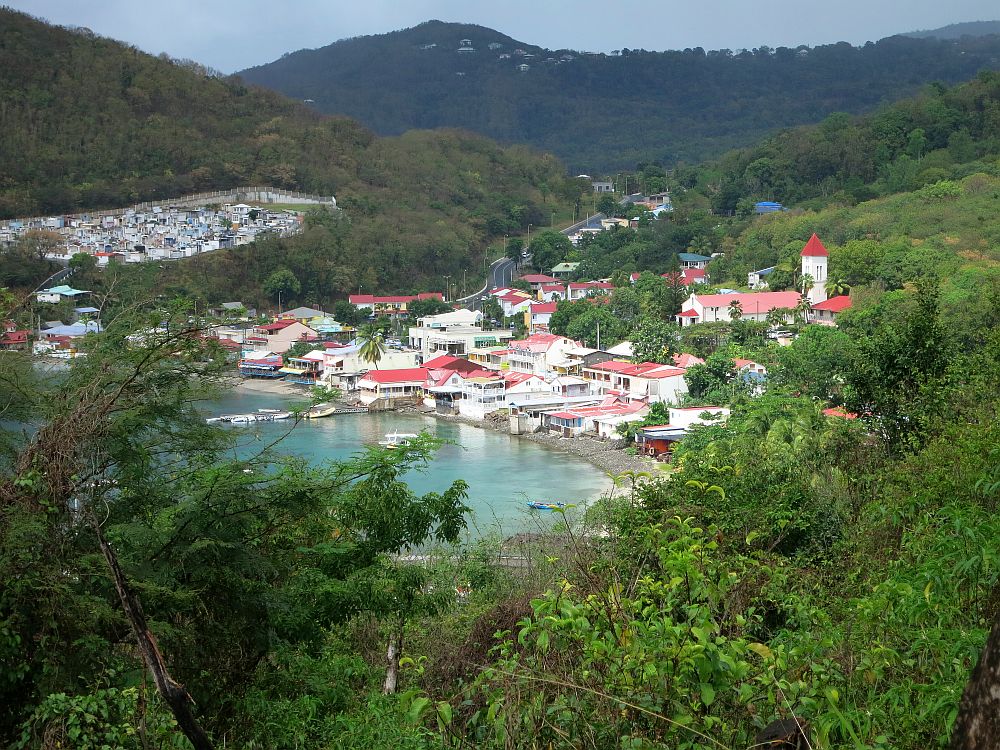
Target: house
456	333
13	339
767	207
562	270
598	420
305	370
552	292
826	312
716	308
261	364
537	280
58	293
757	279
279	336
343	366
301	313
693	260
539	353
388	388
514	303
581	289
659	440
539	315
649	381
602	186
686	277
390	305
227	309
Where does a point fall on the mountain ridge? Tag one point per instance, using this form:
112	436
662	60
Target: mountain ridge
602	112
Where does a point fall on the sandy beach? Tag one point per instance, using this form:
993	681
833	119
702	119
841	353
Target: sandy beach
273	387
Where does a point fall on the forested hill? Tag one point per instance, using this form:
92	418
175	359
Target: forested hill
87	122
602	112
958	30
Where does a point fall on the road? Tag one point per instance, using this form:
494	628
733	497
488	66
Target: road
501	272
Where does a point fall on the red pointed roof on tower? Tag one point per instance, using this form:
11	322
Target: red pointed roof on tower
814	247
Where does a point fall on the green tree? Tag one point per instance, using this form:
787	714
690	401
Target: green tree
711	381
372	340
283	284
548	249
421	307
654	341
82	262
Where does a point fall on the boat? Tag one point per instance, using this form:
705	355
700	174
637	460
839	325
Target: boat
320	410
395	440
539	505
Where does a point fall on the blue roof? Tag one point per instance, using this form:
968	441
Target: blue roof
764	271
692	257
77	329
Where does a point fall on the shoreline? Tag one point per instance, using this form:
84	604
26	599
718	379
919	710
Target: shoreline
604	455
610	459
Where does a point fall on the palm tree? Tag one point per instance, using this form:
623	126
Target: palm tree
372	341
735	310
837	288
802	309
806	282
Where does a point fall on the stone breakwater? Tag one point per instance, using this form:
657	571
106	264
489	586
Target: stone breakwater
610	456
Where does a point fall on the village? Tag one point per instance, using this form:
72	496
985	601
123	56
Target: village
461	364
167	231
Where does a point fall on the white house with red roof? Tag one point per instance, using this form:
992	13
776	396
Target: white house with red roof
388	388
539	315
514	302
815	262
601	419
552	292
715	308
647	380
580	289
537	280
539	353
826	312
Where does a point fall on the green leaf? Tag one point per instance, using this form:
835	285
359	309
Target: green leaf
761	650
707	694
417	709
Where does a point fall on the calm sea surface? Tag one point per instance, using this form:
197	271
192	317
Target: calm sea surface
503	472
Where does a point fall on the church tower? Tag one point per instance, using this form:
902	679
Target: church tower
815	260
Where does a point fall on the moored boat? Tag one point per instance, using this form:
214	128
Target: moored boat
397	439
539	505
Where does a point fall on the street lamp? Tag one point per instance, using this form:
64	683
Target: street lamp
446	288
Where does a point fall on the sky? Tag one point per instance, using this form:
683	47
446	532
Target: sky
231	35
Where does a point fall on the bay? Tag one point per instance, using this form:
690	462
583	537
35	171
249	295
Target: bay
503	472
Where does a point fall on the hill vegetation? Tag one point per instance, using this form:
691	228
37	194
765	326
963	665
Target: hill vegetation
606	112
89	123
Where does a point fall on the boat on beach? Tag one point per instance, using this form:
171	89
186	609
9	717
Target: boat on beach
262	415
319	410
395	440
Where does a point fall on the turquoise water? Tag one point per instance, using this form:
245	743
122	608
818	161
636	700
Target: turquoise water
503	472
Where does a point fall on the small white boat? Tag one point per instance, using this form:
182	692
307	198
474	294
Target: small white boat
395	440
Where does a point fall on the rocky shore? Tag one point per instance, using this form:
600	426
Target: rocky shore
609	456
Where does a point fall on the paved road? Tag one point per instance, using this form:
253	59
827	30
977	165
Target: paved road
501	272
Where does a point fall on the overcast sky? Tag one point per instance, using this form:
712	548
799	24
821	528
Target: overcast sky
234	34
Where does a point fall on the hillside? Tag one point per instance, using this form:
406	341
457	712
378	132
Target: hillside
87	122
606	112
958	30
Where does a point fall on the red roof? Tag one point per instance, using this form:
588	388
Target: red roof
751	302
687	314
814	248
451	364
397	299
839	411
279	325
544	308
650	370
538	278
553	288
835	304
516	378
403	375
687	360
